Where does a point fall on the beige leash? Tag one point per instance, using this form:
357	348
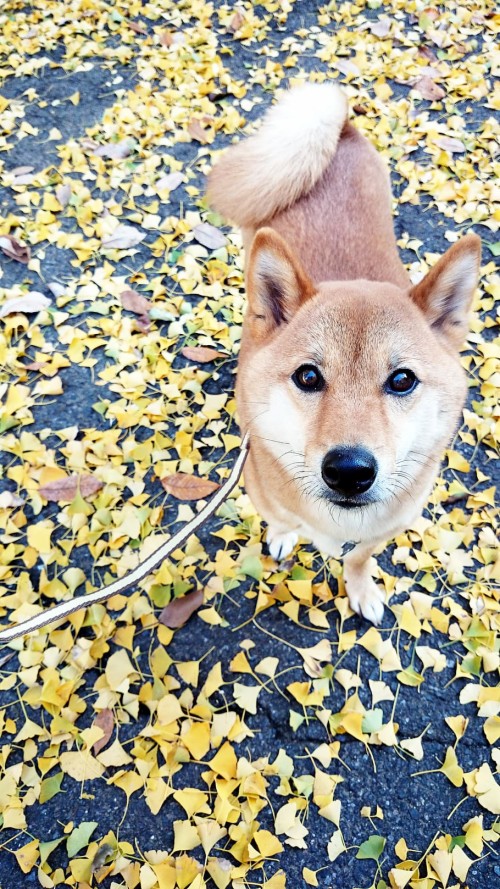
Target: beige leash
142	570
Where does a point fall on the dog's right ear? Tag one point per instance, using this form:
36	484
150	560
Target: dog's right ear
277	284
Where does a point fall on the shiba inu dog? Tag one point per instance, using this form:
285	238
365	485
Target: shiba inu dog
349	379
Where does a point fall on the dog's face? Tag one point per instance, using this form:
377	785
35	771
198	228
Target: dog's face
355	386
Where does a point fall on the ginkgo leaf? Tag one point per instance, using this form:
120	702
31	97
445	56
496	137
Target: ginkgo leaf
451	768
336	846
372	847
79	837
441	862
27	856
487	789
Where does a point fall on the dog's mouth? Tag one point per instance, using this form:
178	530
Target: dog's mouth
350	502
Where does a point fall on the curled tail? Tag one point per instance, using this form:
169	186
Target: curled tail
272	169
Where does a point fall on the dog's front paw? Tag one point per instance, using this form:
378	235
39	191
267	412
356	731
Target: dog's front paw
366	600
281	544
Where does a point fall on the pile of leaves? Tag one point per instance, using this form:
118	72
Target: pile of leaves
275	739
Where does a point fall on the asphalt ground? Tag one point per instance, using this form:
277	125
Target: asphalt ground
418	808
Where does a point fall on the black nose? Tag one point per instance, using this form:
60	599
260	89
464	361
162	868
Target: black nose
349	471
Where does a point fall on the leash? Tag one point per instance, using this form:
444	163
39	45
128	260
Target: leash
64	609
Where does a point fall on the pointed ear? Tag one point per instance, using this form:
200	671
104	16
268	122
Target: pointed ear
277	284
446	292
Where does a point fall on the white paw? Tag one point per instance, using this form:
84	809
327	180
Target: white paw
281	545
368	602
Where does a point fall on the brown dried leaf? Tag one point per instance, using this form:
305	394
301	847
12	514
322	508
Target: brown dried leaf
24	179
9	500
188	487
197	132
202	354
381	27
425	52
55	288
136	28
169	182
209	236
29	303
166	38
123	237
105	721
143	323
63	194
135	302
116	150
15	249
66	489
237	21
176	613
346	66
20	171
428	89
448	143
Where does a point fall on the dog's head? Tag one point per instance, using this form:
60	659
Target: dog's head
355	385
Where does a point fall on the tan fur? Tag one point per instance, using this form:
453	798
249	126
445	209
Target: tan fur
326	288
274	171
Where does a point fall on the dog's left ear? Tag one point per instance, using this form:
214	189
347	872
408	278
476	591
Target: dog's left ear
446	292
276	283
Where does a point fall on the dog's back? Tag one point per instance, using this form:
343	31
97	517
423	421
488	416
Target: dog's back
307	170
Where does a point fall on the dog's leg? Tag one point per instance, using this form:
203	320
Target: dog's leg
281	543
365	597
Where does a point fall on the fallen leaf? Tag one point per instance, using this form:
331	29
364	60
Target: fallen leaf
136	28
372	847
188	487
115	150
196	131
177	612
135	302
209	236
381	27
166	38
105	721
169	182
237	21
428	89
448	143
63	194
202	354
9	500
31	302
66	489
15	249
123	237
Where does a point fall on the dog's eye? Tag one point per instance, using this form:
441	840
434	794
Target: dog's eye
308	378
401	382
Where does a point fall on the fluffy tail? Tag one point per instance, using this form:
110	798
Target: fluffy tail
270	170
